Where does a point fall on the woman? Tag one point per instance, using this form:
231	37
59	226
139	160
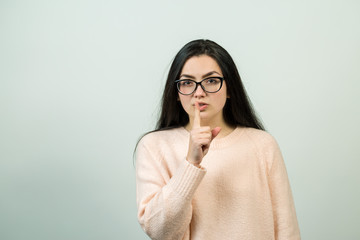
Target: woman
209	170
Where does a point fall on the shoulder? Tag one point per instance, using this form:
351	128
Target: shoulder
158	138
267	148
260	138
159	144
265	144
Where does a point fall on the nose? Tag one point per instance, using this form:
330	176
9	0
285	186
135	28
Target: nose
199	92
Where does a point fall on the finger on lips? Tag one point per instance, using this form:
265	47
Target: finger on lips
197	115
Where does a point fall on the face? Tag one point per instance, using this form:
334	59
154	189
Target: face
198	68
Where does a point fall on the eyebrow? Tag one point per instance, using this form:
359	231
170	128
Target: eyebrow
204	76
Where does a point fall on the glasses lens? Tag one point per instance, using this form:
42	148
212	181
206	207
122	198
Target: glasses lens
211	84
186	86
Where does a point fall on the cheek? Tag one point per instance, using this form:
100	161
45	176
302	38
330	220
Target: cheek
185	103
225	96
221	98
221	102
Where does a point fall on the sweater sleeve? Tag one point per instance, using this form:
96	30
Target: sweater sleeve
285	220
164	201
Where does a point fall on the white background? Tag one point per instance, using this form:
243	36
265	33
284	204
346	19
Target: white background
80	81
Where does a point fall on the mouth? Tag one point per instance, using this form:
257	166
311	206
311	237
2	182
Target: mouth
202	106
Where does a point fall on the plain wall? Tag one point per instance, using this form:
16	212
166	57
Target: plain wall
80	81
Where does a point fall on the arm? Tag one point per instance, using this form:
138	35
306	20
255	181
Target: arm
285	221
164	201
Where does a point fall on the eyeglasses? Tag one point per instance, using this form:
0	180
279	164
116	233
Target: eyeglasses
209	85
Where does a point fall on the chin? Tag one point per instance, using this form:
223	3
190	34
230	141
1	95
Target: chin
205	116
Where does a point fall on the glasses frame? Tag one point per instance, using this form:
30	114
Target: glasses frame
197	84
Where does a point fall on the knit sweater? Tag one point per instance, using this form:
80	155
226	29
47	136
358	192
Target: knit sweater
241	191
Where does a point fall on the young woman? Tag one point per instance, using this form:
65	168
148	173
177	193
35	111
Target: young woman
209	170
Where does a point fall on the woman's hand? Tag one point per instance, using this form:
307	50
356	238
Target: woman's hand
200	139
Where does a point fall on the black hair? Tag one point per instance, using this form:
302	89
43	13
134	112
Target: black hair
238	110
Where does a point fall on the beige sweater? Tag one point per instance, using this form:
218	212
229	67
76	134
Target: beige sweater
242	191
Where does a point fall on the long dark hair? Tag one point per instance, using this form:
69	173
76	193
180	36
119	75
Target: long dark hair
238	110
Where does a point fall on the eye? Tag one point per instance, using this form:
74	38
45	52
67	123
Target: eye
212	81
186	83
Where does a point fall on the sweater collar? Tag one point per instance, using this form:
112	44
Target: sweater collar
228	140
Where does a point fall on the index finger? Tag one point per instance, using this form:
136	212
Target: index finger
196	116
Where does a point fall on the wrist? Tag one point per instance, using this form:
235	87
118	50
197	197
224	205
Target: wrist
194	163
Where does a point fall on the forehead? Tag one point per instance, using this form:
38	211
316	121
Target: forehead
200	65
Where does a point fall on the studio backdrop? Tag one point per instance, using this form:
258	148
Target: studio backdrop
81	81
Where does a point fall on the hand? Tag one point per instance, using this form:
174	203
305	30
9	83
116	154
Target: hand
200	139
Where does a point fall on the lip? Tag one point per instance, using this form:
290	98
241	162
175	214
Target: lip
202	105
